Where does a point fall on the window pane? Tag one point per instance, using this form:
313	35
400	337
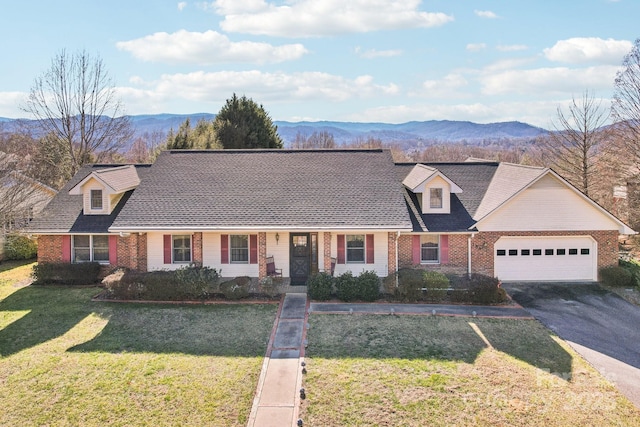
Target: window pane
239	248
435	199
355	248
430	248
501	252
182	248
100	248
96	199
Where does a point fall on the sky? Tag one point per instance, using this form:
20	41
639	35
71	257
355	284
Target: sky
389	61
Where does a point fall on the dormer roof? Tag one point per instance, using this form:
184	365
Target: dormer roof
423	174
117	180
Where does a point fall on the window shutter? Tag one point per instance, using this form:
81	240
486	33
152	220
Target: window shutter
444	249
370	248
415	250
113	250
224	249
66	248
253	249
167	248
341	257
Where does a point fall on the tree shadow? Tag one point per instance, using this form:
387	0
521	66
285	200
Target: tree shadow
51	313
444	338
211	330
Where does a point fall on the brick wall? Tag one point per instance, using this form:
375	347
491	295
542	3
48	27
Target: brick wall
49	249
393	237
327	251
457	263
262	255
197	249
132	251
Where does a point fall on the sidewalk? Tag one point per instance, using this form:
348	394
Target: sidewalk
278	393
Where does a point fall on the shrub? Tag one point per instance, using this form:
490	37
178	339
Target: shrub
195	281
236	289
616	276
17	246
633	267
436	284
485	290
368	286
320	286
269	287
410	284
66	274
346	287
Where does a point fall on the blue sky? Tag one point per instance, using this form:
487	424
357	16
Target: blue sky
343	60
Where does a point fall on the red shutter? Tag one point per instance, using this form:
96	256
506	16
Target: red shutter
113	250
224	249
341	258
415	250
370	247
66	248
253	249
444	249
167	248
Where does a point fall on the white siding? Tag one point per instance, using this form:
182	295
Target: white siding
547	205
437	182
279	250
155	253
93	184
211	257
380	255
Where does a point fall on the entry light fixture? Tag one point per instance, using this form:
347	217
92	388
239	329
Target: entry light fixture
277	238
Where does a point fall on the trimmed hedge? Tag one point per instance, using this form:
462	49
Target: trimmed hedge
365	287
633	267
616	276
237	288
477	289
17	246
85	273
320	286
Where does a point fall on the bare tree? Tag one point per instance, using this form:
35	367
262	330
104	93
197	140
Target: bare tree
317	140
573	145
75	101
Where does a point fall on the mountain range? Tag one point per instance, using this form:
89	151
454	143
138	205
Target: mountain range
404	134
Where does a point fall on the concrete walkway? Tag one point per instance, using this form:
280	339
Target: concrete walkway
277	397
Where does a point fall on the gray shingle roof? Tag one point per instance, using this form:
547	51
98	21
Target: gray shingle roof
64	213
226	189
119	178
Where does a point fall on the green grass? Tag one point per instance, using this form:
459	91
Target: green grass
65	360
416	371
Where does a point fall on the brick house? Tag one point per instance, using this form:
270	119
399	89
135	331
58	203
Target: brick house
231	209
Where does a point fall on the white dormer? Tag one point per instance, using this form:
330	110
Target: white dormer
434	187
102	189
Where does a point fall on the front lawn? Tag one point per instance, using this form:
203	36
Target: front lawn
369	370
65	360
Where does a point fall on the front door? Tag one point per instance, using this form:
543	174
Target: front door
300	256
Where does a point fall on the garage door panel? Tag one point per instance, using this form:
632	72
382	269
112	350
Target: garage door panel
548	258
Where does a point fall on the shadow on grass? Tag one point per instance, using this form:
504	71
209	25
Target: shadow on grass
444	338
212	330
51	313
229	330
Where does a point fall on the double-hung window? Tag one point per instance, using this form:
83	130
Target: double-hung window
181	248
355	248
430	248
435	198
96	199
239	248
88	248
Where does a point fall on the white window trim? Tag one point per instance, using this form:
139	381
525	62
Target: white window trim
91	246
231	261
95	208
364	249
173	236
431	262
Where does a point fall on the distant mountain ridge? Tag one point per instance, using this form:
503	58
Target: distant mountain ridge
405	134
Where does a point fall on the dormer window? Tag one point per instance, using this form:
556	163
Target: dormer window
435	198
96	199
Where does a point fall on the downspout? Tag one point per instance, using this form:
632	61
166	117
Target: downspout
397	257
469	253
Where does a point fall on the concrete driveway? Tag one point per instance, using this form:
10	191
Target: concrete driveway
599	325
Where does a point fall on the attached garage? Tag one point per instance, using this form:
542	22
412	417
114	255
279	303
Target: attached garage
546	258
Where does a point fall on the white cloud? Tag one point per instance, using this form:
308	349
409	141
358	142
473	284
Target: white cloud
182	5
475	47
10	103
217	86
512	47
588	49
315	18
374	53
207	48
485	14
445	87
559	80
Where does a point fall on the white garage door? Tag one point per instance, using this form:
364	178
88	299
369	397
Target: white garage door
546	258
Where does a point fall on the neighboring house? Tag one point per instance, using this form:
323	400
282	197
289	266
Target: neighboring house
231	209
22	199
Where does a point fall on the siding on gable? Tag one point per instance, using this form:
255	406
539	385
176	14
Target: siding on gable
547	205
92	184
436	182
